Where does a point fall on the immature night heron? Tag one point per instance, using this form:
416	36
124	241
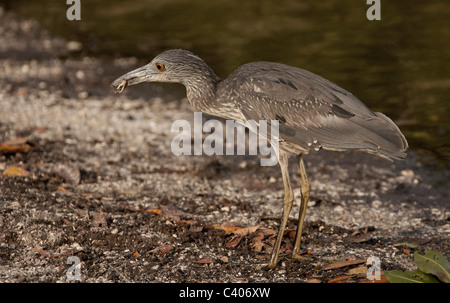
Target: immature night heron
313	113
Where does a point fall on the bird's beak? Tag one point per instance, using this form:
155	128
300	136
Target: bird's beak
141	74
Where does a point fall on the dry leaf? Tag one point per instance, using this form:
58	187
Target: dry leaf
16	171
154	211
360	270
287	248
227	229
240	231
343	264
187	222
195	229
244	231
313	281
257	242
14	146
268	232
204	261
340	279
40	129
290	233
234	241
62	189
382	279
172	212
136	254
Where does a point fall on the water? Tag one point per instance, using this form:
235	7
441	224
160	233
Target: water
399	65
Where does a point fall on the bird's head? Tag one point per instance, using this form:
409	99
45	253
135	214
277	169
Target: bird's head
172	66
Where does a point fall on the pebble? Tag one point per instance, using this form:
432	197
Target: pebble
338	209
376	203
407	173
225	209
74	46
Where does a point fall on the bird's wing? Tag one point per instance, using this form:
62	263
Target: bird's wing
312	111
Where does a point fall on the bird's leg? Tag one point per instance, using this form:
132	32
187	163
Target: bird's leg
287	205
305	187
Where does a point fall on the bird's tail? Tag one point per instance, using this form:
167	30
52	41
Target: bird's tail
386	135
375	134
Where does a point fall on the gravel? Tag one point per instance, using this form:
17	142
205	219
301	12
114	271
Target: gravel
103	185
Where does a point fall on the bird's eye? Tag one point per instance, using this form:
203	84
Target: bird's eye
160	67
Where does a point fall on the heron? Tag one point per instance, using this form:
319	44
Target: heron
312	113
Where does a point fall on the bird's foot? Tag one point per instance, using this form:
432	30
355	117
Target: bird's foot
269	266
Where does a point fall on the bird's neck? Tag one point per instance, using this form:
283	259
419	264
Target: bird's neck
201	91
207	93
201	94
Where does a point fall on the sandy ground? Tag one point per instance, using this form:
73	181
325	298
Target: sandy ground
90	174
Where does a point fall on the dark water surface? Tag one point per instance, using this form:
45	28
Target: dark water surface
399	65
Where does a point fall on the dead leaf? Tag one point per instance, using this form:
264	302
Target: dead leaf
62	189
290	233
343	264
240	231
187	222
40	129
204	261
162	249
195	229
154	211
13	146
16	171
173	212
136	254
313	281
268	232
227	229
234	241
244	231
257	242
340	279
44	253
287	248
383	279
270	241
360	270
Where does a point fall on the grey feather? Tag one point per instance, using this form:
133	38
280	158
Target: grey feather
315	111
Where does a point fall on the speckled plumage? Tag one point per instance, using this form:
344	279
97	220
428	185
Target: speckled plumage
313	113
